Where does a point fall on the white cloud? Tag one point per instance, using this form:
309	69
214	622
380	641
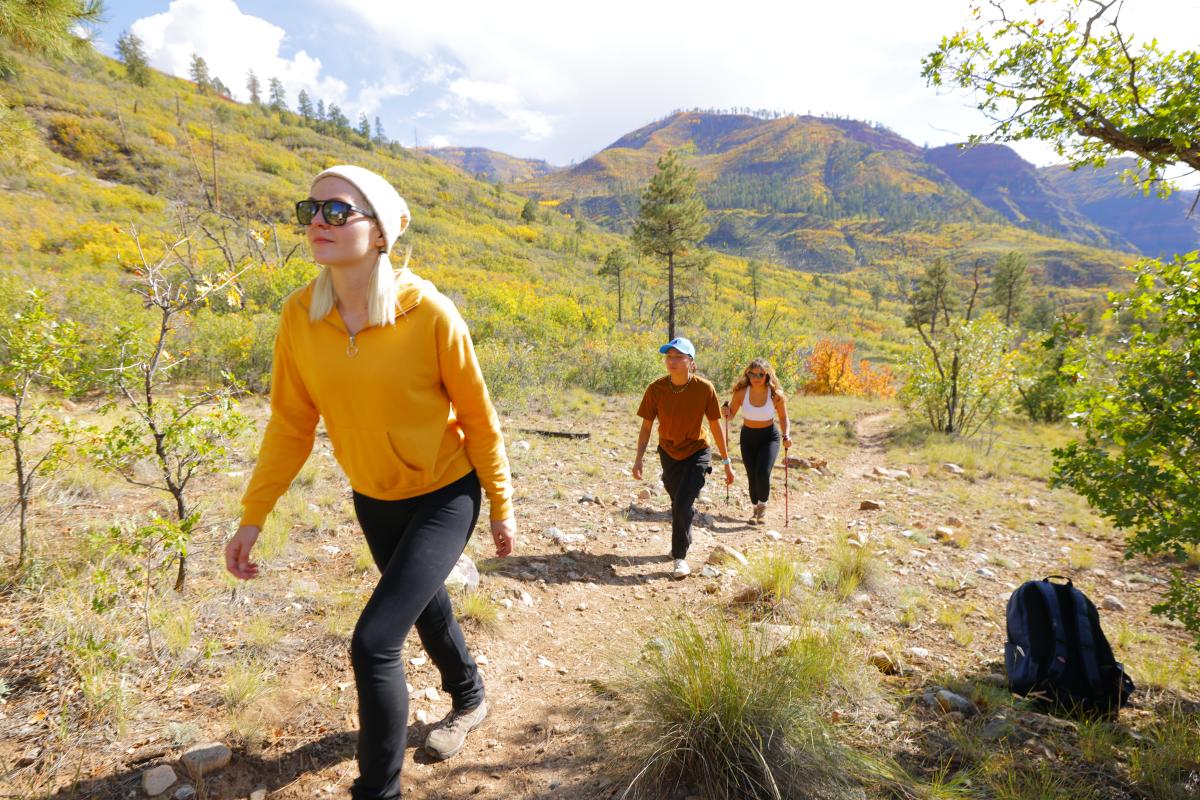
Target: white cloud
439	141
576	76
233	43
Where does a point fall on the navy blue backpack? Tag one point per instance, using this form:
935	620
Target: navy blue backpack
1057	652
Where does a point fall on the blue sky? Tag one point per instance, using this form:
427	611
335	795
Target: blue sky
560	80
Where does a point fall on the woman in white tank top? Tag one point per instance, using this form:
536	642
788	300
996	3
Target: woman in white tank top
758	395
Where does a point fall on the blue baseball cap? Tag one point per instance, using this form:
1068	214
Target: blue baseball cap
681	344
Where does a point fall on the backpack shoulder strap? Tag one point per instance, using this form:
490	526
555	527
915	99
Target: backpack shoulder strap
1059	663
1087	641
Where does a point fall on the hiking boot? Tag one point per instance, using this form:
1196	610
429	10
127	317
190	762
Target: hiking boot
760	512
449	735
682	570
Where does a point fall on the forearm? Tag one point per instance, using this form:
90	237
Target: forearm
643	442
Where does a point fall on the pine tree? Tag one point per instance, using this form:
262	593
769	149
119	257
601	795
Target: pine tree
133	55
253	86
49	29
364	126
1010	284
529	211
379	136
670	222
278	95
220	88
321	115
304	105
616	264
199	74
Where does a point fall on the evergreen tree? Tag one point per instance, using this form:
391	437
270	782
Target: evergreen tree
48	29
254	87
670	223
616	264
364	126
220	88
529	212
379	135
199	74
1010	285
875	289
934	297
321	115
754	269
278	95
339	121
133	55
304	105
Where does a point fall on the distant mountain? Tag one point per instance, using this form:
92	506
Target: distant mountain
1154	226
830	195
491	165
1008	184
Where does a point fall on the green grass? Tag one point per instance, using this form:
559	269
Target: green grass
475	607
850	568
243	683
1167	762
720	709
771	576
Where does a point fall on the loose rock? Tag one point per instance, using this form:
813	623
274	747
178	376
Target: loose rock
953	468
157	780
884	663
949	701
464	575
870	505
206	758
722	553
1112	603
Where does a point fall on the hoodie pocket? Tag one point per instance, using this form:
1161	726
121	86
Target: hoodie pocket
379	463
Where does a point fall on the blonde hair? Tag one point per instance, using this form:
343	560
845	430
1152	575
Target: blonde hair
381	293
773	386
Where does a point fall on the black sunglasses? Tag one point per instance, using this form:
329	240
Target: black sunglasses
335	212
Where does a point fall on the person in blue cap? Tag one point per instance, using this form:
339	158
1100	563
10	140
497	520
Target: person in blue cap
681	401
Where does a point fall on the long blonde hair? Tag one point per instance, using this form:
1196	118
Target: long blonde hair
381	293
774	389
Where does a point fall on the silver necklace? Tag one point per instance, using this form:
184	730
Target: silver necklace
681	388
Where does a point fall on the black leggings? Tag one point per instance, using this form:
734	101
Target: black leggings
760	448
683	479
415	542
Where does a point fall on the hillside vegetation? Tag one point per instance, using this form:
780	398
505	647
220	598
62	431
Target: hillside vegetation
825	195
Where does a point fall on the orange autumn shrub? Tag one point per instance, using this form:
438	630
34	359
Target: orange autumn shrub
832	370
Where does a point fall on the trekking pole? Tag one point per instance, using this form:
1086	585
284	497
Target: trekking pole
725	407
786	515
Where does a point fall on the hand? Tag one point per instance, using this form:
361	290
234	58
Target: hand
237	553
787	441
637	469
504	535
729	475
725	411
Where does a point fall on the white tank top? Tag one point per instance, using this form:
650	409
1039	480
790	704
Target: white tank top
763	413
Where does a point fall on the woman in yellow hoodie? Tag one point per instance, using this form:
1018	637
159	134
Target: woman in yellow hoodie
387	362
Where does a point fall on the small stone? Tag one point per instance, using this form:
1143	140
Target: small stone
916	652
523	446
943	533
526	599
481	660
722	552
206	758
582	606
998	729
984	572
185	792
431	694
883	662
870	505
995	679
953	468
954	521
774	536
422	716
709	571
418	661
1030	503
1112	603
157	780
464	575
949	701
807	579
644	495
861	599
259	793
508	604
545	662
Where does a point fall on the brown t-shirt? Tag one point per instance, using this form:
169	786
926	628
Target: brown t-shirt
680	414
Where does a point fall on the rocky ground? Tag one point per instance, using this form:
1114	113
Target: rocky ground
263	669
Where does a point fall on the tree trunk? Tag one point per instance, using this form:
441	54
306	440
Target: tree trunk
670	297
618	297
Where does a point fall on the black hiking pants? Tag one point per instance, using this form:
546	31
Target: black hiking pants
683	479
415	542
760	449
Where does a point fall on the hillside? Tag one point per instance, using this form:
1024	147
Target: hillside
818	194
105	155
491	165
1155	226
1018	191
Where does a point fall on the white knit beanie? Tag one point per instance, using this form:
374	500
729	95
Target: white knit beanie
391	212
392	216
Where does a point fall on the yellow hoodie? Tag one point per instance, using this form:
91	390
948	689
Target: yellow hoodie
407	413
